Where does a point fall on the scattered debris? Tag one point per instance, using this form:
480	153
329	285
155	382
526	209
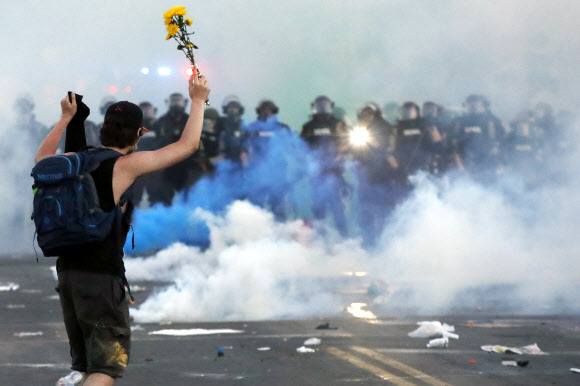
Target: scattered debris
473	362
312	342
326	326
137	288
149	359
575	370
24	334
220	352
501	349
195	331
509	363
4	287
439	342
31	291
72	379
531	349
263	348
14	306
433	329
304	350
523	363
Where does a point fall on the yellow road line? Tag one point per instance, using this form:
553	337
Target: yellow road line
368	367
399	366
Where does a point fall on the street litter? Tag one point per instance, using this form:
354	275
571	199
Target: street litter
521	363
439	342
263	348
575	370
326	326
220	352
9	287
137	288
532	349
434	330
312	342
473	362
195	331
24	334
304	350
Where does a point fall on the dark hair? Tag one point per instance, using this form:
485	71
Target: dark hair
116	133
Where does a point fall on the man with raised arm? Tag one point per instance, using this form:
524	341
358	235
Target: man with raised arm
91	278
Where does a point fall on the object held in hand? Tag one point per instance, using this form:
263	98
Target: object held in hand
177	29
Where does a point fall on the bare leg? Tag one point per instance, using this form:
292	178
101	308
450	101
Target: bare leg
98	379
85	376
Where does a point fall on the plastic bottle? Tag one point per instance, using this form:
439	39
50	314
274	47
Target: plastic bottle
439	342
73	378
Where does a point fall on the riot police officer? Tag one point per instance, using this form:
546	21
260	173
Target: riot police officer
416	142
26	123
376	166
169	128
266	144
208	153
151	183
477	138
522	151
325	136
231	130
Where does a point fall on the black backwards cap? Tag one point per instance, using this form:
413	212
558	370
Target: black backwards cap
129	113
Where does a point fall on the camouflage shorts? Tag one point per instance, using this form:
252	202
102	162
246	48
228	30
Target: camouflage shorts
96	317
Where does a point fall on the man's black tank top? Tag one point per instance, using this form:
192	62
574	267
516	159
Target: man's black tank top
104	256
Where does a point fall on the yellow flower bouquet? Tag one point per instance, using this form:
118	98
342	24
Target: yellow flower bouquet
177	29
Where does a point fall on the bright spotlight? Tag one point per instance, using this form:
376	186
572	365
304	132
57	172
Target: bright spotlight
164	71
189	72
145	70
359	136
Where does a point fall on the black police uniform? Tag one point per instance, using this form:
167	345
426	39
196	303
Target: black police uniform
184	174
477	139
376	191
323	136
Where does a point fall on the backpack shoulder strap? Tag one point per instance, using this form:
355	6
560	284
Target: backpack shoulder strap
92	158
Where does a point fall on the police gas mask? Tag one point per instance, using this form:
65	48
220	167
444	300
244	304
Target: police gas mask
430	110
176	104
409	113
209	125
233	111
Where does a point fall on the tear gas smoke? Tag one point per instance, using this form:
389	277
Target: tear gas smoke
448	243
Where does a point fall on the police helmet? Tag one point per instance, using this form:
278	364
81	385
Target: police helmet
229	100
267	104
369	106
106	102
322	105
211	114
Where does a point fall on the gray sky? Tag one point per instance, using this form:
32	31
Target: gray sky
517	52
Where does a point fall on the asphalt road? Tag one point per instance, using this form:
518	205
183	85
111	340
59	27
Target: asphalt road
364	351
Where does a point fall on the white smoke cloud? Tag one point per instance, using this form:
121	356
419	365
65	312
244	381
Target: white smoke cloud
449	237
255	269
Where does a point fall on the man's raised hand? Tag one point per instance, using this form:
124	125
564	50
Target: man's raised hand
198	87
69	109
